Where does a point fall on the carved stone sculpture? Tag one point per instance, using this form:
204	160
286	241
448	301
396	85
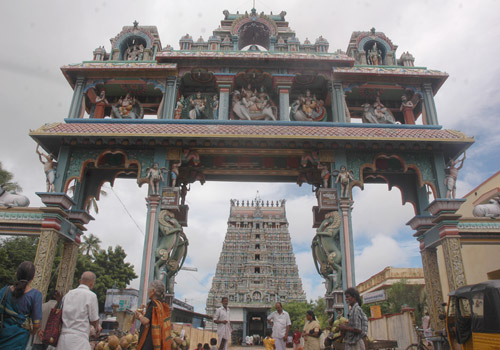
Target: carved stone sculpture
171	250
12	199
326	253
198	105
377	113
489	210
407	109
154	175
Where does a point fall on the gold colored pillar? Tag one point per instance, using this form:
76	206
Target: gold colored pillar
453	262
67	269
433	286
44	259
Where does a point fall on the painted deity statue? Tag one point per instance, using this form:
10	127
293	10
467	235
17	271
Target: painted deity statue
198	105
325	174
215	107
375	56
307	108
100	105
450	180
179	106
49	167
171	250
326	252
135	53
127	108
251	105
407	109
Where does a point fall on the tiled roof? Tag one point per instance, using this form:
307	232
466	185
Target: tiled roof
236	130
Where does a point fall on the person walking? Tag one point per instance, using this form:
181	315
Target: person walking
80	310
222	319
311	332
357	327
19	303
280	322
155	320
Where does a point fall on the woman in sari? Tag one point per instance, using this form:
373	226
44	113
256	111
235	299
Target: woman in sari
311	332
155	320
22	309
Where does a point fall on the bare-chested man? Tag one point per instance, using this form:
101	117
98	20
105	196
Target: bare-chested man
450	179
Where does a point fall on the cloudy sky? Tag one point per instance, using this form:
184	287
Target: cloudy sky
460	38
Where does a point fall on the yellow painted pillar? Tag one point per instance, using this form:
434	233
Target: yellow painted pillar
44	259
67	268
433	286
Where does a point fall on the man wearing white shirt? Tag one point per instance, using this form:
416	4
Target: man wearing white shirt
80	310
222	319
280	322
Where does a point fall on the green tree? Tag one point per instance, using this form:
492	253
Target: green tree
90	244
110	268
13	251
6	178
297	311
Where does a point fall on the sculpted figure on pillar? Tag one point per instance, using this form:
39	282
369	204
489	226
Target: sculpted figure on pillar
450	180
49	166
307	108
215	107
154	175
100	104
344	177
171	250
326	253
407	109
179	107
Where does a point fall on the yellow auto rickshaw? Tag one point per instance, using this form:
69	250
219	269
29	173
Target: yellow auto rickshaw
473	317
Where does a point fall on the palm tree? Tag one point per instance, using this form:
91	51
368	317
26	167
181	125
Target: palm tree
90	244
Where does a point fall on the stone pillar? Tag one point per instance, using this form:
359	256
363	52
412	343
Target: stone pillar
245	324
169	99
347	241
75	109
453	261
67	267
148	259
224	83
338	108
429	105
63	162
44	259
432	286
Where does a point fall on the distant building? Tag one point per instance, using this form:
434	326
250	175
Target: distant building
256	267
390	275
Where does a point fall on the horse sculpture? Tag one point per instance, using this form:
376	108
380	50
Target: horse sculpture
12	199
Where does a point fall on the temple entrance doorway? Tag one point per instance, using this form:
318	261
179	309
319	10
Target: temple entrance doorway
257	323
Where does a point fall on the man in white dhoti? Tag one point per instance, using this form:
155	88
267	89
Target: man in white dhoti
280	321
222	319
80	310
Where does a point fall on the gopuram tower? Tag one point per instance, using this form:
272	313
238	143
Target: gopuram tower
256	266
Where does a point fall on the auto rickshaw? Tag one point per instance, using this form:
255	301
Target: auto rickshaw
473	317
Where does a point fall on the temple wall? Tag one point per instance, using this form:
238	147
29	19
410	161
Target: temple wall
479	259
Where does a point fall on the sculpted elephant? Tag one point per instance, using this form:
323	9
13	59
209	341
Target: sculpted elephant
12	199
492	209
326	253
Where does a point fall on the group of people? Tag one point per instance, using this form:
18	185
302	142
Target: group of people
23	315
353	332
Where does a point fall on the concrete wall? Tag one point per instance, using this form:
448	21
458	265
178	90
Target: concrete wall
195	335
487	255
397	327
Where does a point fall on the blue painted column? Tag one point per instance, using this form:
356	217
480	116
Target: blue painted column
429	105
63	162
75	109
169	99
338	109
